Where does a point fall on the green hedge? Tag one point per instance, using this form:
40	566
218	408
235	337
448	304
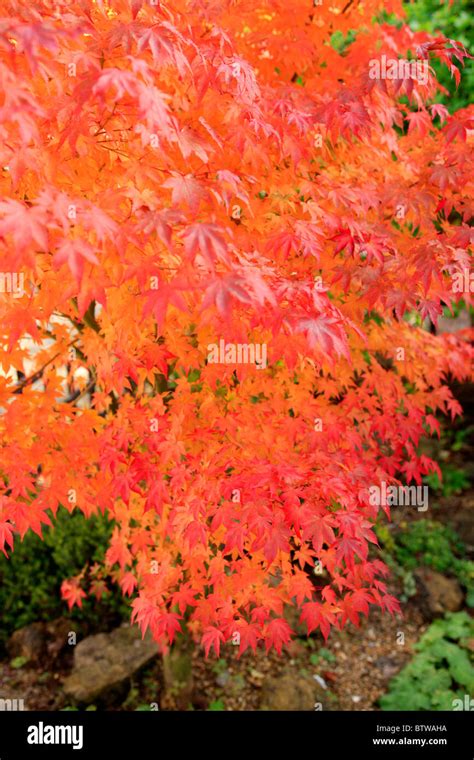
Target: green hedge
30	579
455	22
441	674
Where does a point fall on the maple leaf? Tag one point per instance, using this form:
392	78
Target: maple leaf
437	109
31	37
237	70
419	121
249	636
300	587
412	471
317	615
207	240
161	39
324	332
74	253
123	82
94	218
220	291
195	533
168	625
430	309
443	176
391	604
457	127
118	552
185	189
277	539
159	299
24	224
145	613
159	222
278	634
72	593
190	142
353	603
185	597
348	548
6	536
283	242
319	528
212	638
344	239
128	583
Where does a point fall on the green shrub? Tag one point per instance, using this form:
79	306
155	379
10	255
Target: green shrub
440	18
30	579
453	480
440	672
455	22
431	544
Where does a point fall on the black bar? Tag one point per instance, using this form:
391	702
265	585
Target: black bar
136	735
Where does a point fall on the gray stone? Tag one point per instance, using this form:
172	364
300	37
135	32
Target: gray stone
223	678
388	666
104	664
57	637
454	324
40	642
293	691
439	594
28	642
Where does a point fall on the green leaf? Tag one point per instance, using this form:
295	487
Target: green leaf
18	662
217	705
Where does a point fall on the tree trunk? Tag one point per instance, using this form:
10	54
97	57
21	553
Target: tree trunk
178	675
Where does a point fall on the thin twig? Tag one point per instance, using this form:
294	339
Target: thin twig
37	375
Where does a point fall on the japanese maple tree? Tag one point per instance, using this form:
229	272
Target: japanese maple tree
187	174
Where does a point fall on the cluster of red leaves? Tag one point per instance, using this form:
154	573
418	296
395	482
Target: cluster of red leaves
177	173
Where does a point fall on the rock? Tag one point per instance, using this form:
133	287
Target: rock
320	680
28	642
256	678
293	691
439	594
104	663
454	324
388	666
223	678
40	642
57	636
